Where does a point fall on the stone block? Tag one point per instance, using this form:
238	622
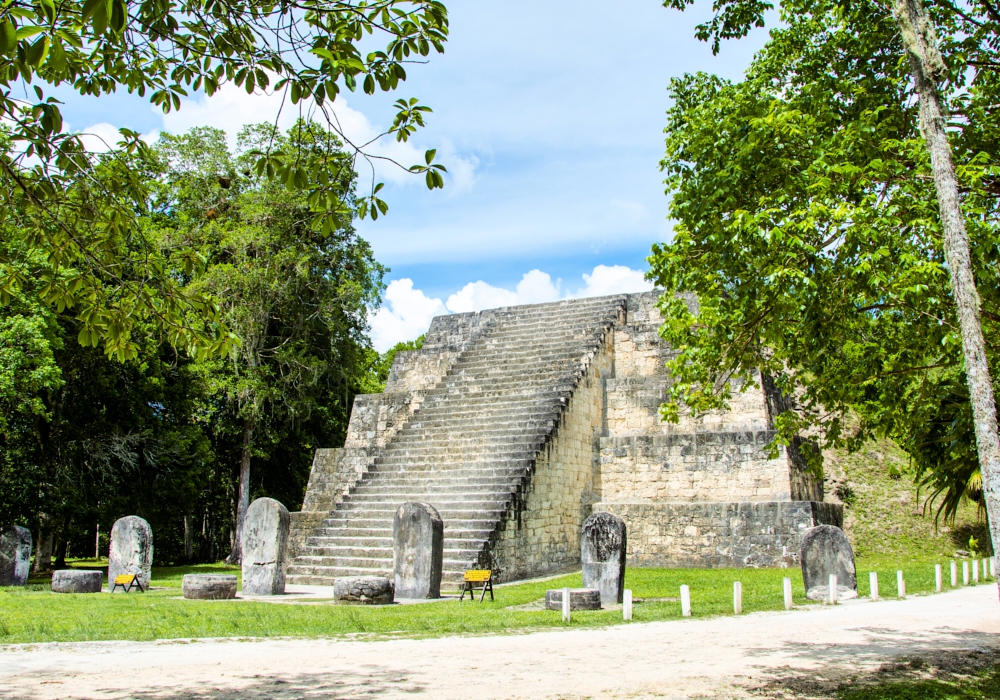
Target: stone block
265	540
826	551
15	555
131	549
364	590
579	599
417	551
208	586
602	553
77	581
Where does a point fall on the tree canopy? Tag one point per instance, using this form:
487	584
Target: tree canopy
85	438
81	210
807	226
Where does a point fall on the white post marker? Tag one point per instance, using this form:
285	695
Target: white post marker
900	585
986	573
787	585
565	602
954	573
965	573
685	601
873	585
97	542
627	604
993	566
831	596
975	571
937	578
737	598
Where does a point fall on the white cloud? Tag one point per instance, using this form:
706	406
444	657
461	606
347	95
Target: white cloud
614	279
534	288
407	316
102	137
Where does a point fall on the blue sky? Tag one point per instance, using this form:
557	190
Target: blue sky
549	116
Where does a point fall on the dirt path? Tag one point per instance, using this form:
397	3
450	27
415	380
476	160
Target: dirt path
720	657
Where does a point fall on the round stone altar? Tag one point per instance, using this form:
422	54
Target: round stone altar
209	586
579	599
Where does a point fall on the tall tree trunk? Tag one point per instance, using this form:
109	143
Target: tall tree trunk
243	500
43	548
927	67
188	539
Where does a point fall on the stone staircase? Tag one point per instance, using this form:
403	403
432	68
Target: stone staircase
470	447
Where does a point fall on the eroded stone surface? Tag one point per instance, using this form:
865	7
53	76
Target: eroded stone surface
76	581
602	553
364	590
579	599
418	551
15	555
209	586
265	536
131	549
825	551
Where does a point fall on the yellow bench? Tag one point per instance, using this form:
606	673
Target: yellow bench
127	582
474	576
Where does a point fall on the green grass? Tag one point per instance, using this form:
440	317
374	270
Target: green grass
984	685
34	614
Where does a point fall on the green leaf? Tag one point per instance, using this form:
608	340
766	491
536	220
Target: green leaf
26	32
8	38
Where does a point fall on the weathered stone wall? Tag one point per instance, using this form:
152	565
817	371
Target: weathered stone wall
540	533
704	466
713	535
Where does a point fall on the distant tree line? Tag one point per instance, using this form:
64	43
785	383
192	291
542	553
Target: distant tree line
180	437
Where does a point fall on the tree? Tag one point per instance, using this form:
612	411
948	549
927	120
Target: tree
294	296
809	226
81	210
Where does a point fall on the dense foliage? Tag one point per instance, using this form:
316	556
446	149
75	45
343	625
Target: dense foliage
807	226
81	211
85	439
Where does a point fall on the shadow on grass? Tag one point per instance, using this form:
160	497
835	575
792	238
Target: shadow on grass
929	673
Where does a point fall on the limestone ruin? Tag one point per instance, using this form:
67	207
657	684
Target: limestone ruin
518	423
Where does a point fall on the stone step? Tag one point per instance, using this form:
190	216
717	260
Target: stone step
432	490
359	552
385	540
370	562
444	472
325	575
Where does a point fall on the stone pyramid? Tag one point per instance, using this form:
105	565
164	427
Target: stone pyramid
516	423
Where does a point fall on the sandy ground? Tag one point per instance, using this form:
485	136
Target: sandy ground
726	657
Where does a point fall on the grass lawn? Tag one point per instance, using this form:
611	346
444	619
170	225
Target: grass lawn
34	614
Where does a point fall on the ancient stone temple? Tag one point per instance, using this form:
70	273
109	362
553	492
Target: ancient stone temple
518	423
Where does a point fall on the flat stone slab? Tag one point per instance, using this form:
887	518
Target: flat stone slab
77	581
579	599
364	590
209	586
